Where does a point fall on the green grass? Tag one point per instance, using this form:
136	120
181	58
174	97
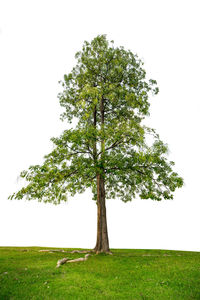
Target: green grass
26	273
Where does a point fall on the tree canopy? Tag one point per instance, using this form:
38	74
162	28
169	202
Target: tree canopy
106	95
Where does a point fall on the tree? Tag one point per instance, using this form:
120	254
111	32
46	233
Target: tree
108	150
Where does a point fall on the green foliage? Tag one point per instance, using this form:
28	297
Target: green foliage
117	148
27	274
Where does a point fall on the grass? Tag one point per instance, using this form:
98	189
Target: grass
26	273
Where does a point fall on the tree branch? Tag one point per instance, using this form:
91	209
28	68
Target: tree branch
115	144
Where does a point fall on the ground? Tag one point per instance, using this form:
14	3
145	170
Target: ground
26	273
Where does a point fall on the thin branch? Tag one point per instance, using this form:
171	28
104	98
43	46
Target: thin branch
72	173
78	152
139	171
115	144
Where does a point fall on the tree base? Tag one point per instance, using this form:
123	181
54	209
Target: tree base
98	251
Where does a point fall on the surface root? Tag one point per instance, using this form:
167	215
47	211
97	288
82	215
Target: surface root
67	260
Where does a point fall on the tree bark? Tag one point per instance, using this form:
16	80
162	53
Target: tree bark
102	243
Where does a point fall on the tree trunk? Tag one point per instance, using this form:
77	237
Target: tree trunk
102	244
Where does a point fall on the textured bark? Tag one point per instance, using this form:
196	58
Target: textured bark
102	243
95	143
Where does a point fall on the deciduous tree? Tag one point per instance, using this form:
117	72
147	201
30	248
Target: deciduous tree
108	150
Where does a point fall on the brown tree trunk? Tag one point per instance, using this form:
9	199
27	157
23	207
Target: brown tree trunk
102	243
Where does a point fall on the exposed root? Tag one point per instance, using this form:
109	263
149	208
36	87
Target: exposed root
81	251
62	261
63	251
67	260
80	258
52	251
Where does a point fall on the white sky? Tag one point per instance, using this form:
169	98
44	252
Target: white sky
38	40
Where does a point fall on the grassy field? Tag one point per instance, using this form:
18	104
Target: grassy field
26	273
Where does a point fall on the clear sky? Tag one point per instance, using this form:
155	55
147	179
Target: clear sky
38	40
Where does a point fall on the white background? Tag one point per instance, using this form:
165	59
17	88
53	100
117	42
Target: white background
38	40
